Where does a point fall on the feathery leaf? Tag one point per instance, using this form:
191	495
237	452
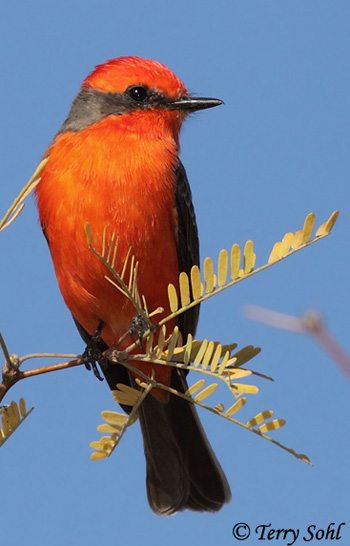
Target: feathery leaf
222	267
240	388
126	395
259	418
207	391
207	356
172	343
209	277
235	261
249	257
308	227
184	289
11	418
173	299
197	286
195	387
216	357
272	425
236	406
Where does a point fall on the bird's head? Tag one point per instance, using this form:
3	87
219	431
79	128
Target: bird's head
133	85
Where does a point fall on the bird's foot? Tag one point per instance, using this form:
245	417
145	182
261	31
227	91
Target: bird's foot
93	355
138	326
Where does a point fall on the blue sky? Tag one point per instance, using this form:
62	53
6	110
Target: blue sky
277	150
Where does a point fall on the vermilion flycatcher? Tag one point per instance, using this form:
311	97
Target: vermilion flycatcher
114	164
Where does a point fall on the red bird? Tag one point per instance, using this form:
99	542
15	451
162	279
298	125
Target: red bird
114	163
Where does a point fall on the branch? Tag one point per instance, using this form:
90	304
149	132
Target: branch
106	445
11	372
208	357
311	324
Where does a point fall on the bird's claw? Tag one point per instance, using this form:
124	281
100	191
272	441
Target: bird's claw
93	356
139	326
90	359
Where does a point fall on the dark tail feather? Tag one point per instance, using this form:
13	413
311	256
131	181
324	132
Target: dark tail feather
182	469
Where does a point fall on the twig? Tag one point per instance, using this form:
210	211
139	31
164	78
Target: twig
311	324
11	373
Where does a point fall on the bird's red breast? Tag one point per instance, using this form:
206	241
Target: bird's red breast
118	175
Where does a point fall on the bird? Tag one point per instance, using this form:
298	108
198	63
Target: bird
114	164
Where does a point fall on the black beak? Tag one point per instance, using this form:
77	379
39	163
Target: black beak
193	103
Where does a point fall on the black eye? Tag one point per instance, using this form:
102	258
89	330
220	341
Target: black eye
138	93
